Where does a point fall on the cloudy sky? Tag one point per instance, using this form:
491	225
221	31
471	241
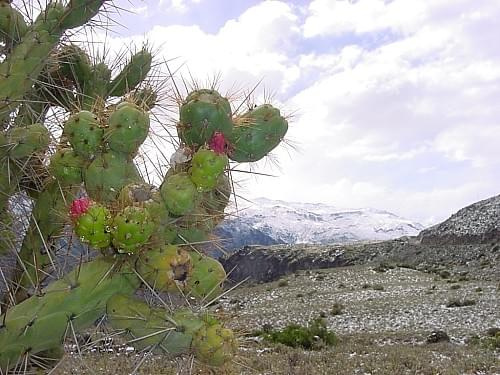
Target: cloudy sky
394	104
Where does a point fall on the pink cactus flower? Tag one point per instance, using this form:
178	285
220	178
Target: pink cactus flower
79	207
218	143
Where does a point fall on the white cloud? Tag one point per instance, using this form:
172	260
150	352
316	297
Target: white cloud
409	124
363	16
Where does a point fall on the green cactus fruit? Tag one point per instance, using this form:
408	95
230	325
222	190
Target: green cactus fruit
84	133
128	128
206	168
132	74
166	268
214	344
203	113
108	174
78	12
66	166
12	24
257	133
131	229
179	194
206	280
94	226
25	141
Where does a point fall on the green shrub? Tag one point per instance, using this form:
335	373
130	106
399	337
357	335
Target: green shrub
314	336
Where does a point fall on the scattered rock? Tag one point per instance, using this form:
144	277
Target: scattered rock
437	336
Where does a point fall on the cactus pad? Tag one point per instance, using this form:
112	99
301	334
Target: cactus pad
179	194
84	133
207	277
128	128
257	133
107	175
66	166
203	113
24	141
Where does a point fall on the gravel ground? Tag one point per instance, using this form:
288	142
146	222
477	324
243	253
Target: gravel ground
410	301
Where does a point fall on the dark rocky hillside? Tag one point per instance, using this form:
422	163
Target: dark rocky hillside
467	243
478	223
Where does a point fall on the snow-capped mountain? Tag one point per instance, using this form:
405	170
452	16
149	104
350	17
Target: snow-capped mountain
267	222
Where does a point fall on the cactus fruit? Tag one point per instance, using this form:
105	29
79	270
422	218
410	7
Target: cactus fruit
203	113
93	225
179	194
108	173
207	277
66	166
131	229
214	344
132	74
206	168
257	133
84	133
166	268
128	128
27	141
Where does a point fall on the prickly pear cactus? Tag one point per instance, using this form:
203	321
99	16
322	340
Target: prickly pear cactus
150	235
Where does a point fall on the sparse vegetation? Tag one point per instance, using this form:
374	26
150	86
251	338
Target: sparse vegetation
313	336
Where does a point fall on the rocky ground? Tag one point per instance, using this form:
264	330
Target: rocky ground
383	319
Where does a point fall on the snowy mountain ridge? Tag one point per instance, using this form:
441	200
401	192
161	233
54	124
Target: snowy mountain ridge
267	222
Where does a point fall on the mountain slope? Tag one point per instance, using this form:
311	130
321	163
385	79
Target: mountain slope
269	222
476	223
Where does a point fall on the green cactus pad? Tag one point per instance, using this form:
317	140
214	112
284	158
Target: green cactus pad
132	74
257	133
128	128
179	194
80	11
206	168
66	166
96	90
207	277
94	226
203	113
108	174
75	302
25	141
84	133
131	228
75	65
214	344
151	327
166	268
12	24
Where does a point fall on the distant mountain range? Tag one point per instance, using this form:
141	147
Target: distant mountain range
268	222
